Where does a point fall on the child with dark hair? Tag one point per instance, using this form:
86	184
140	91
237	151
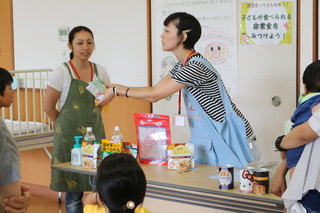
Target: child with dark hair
308	100
121	186
9	157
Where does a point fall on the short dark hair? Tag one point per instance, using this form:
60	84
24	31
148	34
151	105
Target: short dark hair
185	21
5	79
73	33
120	179
311	77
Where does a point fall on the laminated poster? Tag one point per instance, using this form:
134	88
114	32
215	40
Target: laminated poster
266	22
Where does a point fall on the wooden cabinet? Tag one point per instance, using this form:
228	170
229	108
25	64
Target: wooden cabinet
6	35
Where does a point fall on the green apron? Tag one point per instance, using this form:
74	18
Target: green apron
78	112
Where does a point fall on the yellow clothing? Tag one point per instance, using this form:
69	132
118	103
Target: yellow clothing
95	208
140	209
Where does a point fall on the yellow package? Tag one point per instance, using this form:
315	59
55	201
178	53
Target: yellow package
109	147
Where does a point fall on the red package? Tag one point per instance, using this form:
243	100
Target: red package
153	136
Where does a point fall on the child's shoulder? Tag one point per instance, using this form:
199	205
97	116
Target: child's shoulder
93	208
140	209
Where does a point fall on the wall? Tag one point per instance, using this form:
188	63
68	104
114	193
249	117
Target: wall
119	28
120	36
6	36
120	32
264	71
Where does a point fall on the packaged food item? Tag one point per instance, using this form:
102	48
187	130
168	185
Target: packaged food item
89	155
153	136
226	177
261	181
95	86
109	147
180	156
99	152
271	166
246	179
130	148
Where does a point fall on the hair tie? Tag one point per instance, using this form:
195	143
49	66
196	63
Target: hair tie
130	205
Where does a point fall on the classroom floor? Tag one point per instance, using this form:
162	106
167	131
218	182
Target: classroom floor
45	205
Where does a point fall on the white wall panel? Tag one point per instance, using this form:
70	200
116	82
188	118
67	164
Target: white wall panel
119	28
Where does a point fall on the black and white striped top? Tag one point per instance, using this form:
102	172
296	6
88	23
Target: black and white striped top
202	83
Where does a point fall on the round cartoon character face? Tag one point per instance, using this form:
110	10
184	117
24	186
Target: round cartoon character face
167	64
216	52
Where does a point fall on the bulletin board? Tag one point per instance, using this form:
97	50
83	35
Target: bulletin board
217	43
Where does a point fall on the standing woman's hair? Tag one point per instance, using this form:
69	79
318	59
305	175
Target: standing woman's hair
121	183
74	31
5	79
188	24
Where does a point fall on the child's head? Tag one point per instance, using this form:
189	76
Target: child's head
121	182
311	77
6	92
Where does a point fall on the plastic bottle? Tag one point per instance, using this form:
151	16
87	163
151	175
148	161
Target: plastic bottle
89	136
117	136
76	152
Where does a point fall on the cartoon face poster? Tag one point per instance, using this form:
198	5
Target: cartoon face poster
266	22
217	43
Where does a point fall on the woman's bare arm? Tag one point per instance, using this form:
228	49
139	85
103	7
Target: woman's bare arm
165	87
50	102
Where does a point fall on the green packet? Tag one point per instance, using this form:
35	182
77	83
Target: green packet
98	84
95	86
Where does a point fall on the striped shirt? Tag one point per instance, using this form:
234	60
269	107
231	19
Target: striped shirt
203	85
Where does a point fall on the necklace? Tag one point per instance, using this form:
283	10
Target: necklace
75	71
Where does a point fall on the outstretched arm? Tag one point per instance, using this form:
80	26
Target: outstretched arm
165	87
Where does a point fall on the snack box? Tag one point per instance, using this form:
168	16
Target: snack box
180	156
89	154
